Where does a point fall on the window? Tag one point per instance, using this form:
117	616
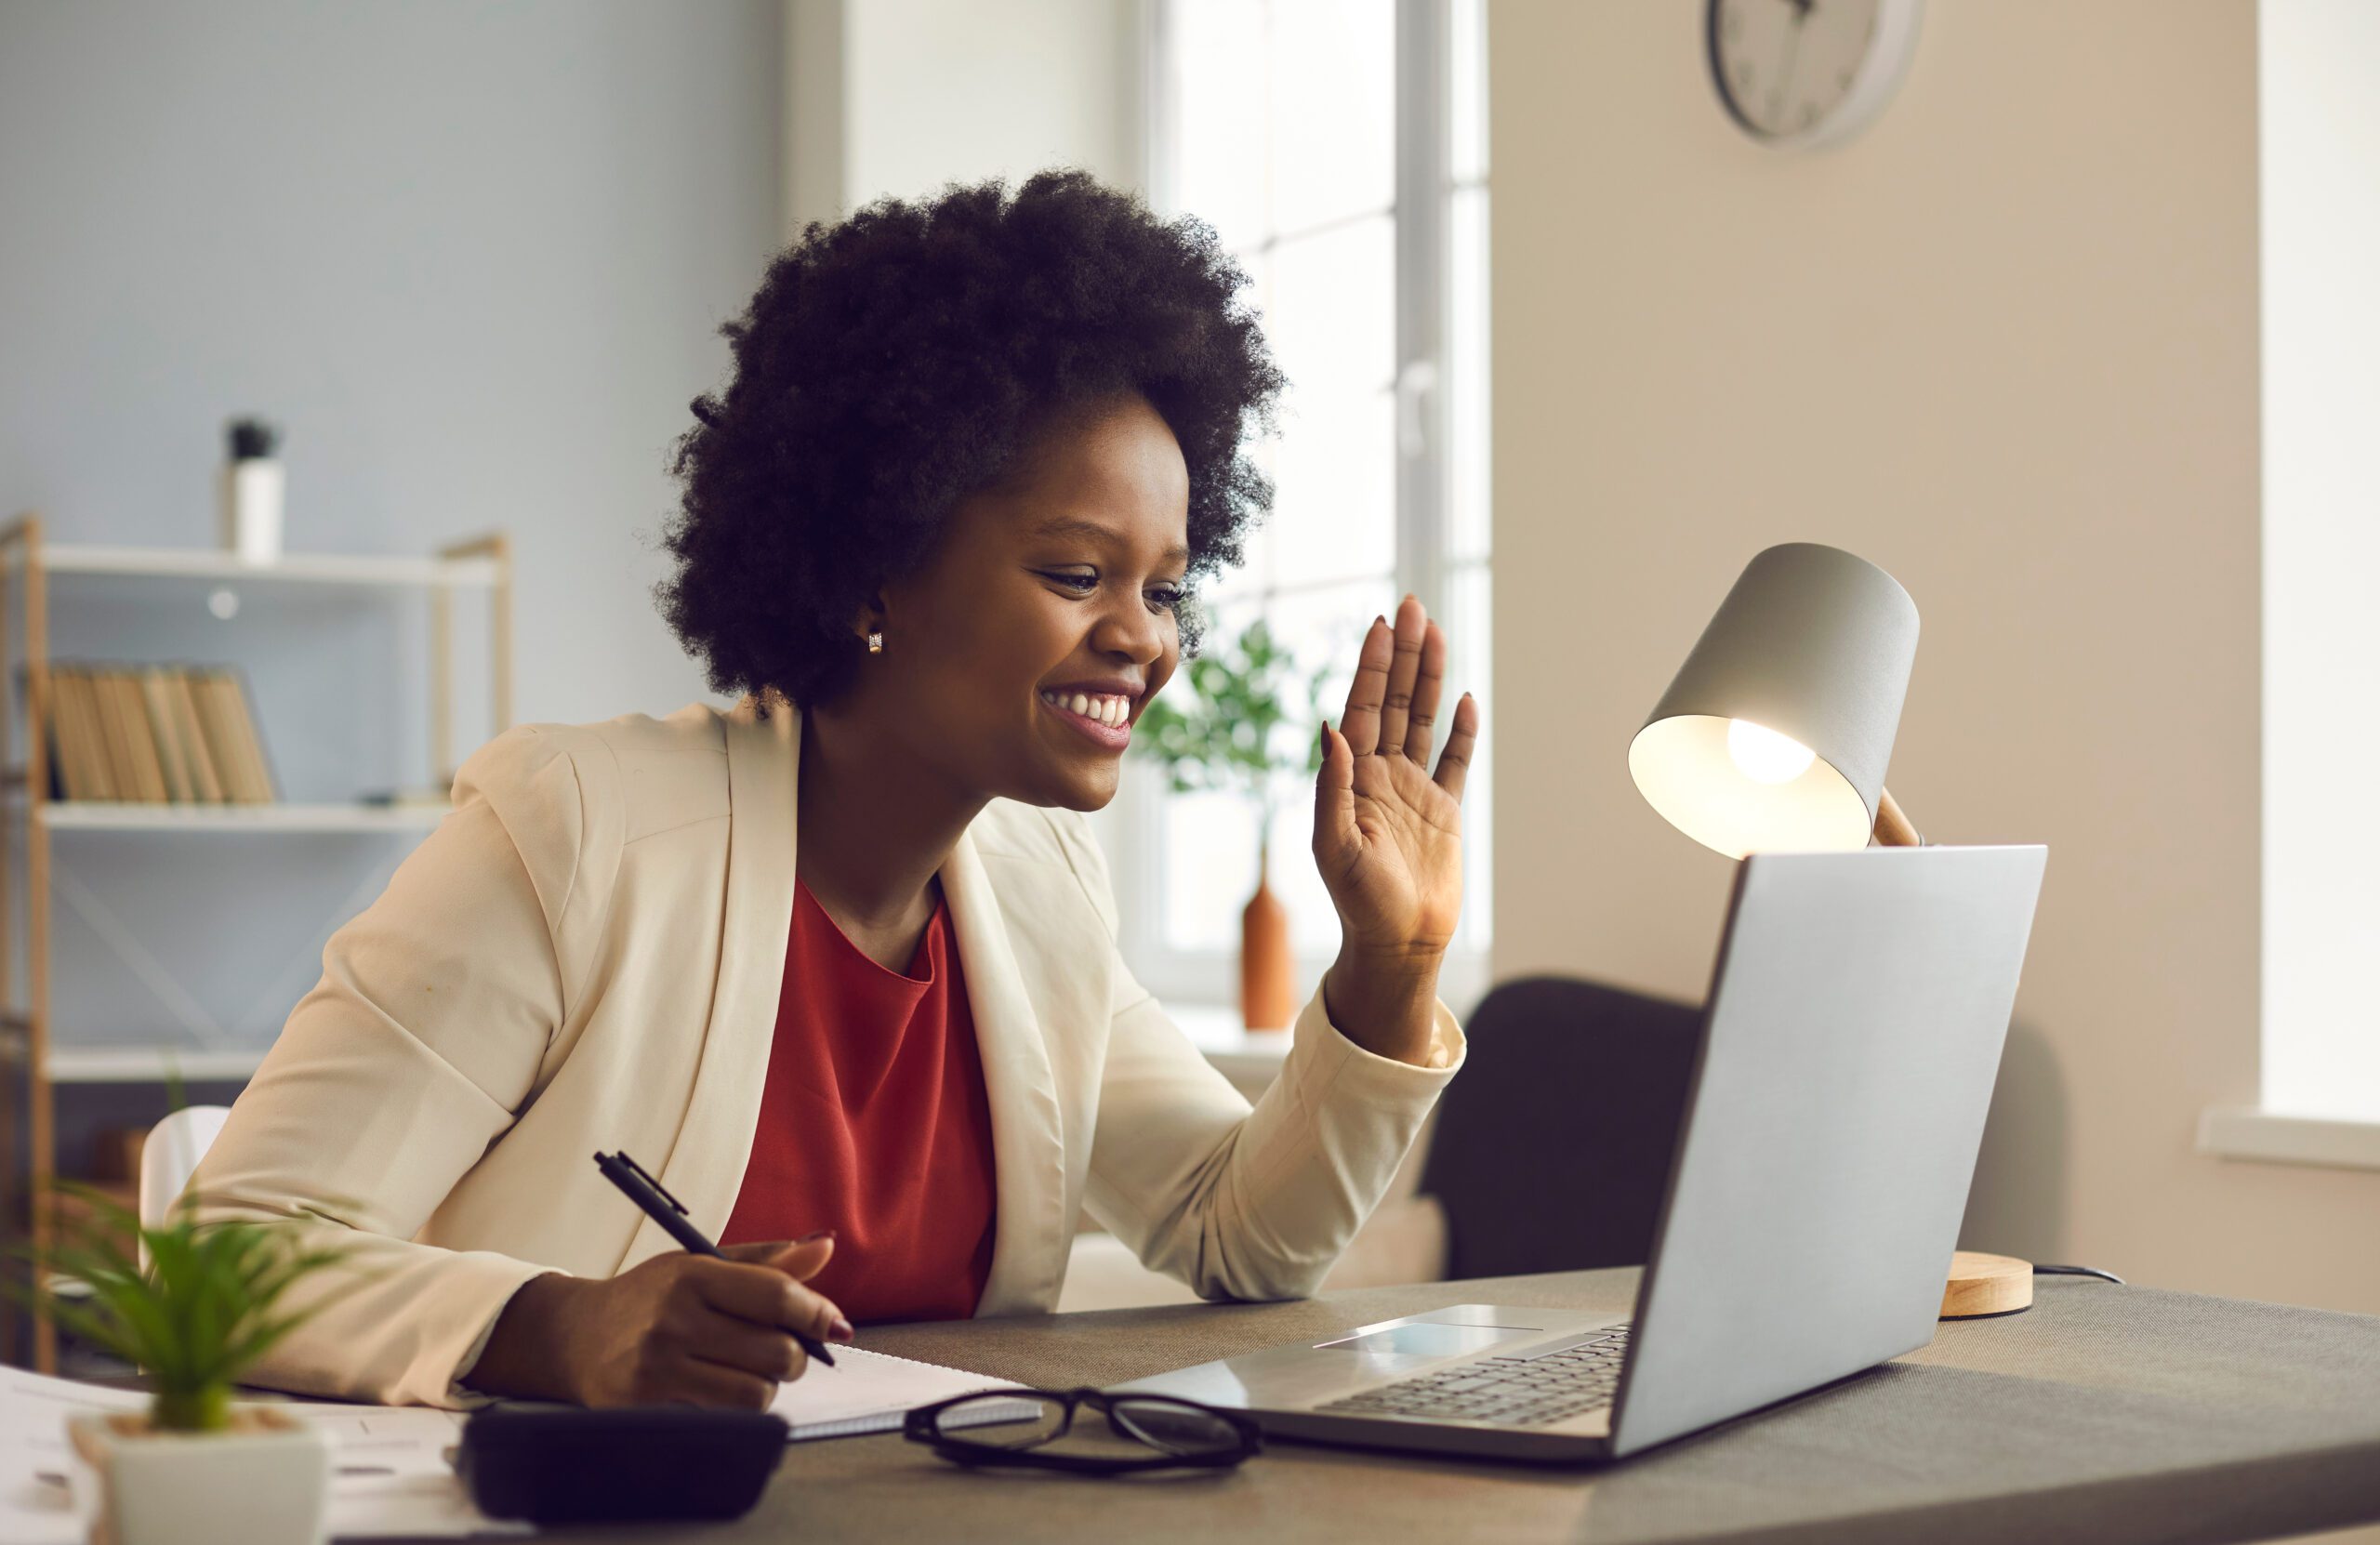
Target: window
2318	142
1339	148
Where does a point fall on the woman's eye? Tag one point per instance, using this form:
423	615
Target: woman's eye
1160	598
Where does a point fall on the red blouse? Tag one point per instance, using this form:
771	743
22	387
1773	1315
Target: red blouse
874	1122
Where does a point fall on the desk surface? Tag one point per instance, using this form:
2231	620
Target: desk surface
2103	1414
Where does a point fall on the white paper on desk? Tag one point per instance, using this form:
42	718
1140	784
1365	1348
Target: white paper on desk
868	1391
390	1475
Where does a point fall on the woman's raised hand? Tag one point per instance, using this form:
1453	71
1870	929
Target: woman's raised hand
1388	833
677	1328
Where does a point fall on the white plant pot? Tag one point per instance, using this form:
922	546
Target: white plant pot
266	1483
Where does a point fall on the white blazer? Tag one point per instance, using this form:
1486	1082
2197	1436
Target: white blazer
586	953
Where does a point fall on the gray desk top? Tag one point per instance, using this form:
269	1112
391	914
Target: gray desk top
2103	1414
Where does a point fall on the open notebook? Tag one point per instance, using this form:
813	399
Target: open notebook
870	1391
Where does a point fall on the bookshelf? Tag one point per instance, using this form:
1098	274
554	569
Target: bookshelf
32	1063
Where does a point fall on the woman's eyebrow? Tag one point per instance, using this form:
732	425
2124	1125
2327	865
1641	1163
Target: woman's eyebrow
1071	525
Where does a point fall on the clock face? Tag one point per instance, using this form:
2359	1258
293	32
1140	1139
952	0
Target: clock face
1808	72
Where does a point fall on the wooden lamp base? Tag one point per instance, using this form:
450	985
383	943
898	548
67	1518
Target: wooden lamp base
1983	1285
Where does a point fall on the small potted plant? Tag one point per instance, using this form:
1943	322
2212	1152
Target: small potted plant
194	1468
1236	735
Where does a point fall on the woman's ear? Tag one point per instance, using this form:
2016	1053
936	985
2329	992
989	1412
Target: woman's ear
868	623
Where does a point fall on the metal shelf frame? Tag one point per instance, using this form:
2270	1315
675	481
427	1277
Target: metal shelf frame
31	1065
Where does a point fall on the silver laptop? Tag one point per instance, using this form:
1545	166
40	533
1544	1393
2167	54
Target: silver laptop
1849	1045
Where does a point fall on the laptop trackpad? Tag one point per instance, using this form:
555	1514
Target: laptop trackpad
1429	1338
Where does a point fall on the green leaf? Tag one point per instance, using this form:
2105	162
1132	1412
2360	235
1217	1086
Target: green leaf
201	1313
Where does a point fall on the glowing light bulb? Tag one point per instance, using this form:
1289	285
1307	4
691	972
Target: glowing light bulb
1765	757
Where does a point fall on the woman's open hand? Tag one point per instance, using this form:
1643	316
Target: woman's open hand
1388	834
696	1329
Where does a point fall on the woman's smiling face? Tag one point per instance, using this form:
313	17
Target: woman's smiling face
1018	657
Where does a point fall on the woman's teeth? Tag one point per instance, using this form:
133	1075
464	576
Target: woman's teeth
1108	710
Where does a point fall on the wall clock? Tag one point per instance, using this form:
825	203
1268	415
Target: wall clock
1796	74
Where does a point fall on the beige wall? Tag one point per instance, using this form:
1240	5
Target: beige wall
2005	345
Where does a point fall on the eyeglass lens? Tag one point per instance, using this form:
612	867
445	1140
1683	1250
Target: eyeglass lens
1183	1430
1004	1422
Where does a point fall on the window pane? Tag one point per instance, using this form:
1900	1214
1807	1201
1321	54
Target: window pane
1470	634
1210	871
1281	130
1468	66
1331	310
1323	630
1334	507
1218	92
1333	91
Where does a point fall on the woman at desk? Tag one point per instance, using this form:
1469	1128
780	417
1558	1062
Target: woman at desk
838	964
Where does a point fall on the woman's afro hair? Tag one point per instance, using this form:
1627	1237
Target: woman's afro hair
901	359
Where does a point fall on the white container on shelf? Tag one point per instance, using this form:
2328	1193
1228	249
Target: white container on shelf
251	492
252	509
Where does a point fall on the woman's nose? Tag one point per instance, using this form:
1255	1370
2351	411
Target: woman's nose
1130	630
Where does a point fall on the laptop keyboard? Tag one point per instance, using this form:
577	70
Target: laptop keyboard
1516	1392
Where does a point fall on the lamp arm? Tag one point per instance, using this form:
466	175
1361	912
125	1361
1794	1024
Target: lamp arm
1892	829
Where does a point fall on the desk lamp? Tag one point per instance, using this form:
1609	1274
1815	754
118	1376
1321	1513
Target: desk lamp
1775	731
1774	736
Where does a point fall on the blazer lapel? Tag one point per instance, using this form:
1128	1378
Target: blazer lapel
1031	1231
705	1167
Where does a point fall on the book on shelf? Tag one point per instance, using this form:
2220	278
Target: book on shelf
167	735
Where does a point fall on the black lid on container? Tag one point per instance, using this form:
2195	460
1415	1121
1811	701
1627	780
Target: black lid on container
252	438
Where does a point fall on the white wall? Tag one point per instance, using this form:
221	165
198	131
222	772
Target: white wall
898	97
473	259
2005	345
2321	553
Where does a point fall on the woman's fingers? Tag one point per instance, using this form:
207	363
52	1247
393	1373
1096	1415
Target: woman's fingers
1334	794
1427	684
768	1297
1454	762
1360	723
738	1343
697	1382
1403	670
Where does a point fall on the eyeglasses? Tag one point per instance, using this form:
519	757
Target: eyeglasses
1013	1426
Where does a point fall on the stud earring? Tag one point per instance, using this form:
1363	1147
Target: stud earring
876	644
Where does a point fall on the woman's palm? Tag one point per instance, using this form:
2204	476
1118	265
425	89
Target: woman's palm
1387	831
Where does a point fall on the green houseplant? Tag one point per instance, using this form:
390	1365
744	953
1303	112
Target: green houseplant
205	1305
1251	721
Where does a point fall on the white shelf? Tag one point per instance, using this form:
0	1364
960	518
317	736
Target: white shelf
125	815
65	558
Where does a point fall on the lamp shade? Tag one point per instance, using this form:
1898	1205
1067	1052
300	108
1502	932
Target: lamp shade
1775	733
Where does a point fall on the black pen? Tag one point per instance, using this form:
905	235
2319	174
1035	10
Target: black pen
670	1214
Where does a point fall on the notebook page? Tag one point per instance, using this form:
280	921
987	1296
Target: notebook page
867	1392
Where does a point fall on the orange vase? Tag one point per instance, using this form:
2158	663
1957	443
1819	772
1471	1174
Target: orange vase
1266	973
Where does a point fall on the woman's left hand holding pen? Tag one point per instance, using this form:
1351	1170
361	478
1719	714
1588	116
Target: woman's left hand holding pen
683	1329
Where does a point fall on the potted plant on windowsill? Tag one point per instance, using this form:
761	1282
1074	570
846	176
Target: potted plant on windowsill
1235	734
194	1468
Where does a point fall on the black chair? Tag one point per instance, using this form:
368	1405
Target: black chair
1554	1147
